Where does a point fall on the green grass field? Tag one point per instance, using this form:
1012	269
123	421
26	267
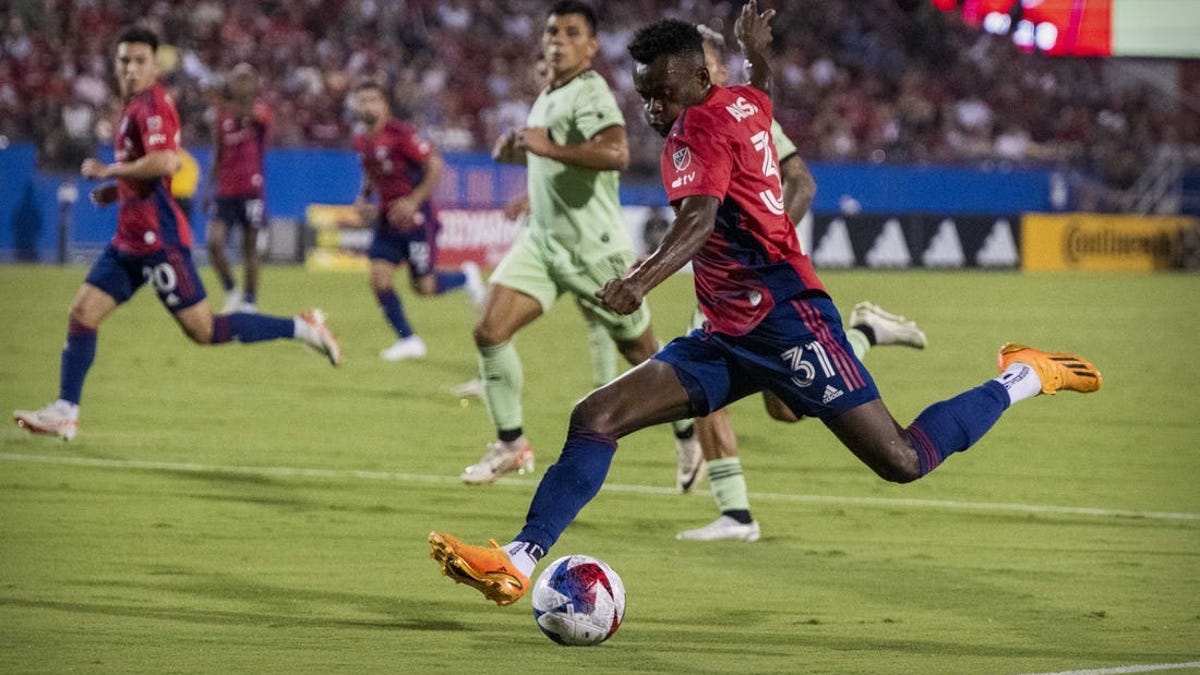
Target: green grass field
250	509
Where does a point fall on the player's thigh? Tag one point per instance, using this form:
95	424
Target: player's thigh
218	234
196	321
644	396
380	273
112	280
877	439
91	305
507	311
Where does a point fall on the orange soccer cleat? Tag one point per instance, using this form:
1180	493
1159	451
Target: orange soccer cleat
1056	371
488	569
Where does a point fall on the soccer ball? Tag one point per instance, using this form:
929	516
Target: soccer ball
578	600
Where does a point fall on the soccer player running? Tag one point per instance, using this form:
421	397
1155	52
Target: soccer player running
404	169
575	239
152	245
771	323
240	134
870	325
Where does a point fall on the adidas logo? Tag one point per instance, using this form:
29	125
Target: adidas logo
834	249
999	248
890	249
831	392
945	248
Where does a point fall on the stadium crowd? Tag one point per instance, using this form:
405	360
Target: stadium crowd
860	80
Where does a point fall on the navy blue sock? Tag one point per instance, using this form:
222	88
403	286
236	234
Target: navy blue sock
394	312
448	281
567	486
954	425
250	328
249	297
77	359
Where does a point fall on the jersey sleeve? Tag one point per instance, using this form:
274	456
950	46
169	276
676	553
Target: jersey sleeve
698	160
159	126
783	145
596	108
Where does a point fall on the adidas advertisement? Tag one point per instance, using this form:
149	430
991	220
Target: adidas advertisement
917	240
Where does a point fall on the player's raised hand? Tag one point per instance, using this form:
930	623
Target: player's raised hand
753	30
93	168
621	295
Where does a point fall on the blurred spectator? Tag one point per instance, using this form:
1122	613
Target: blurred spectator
856	80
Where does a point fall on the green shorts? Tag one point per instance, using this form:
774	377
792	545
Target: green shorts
543	269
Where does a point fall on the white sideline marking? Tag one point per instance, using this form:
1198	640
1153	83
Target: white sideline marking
286	471
1120	670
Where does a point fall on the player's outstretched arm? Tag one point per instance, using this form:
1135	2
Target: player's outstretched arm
753	31
608	150
147	167
692	227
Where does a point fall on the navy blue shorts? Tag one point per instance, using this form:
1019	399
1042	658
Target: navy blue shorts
415	247
170	270
799	352
243	211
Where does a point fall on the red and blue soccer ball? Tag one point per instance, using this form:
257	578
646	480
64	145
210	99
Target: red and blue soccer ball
578	600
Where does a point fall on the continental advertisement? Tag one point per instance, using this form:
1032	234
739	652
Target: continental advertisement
1102	243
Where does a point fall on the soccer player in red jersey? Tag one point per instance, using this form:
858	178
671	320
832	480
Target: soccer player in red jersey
404	169
239	149
152	244
771	325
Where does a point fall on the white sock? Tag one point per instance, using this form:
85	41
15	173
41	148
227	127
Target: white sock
301	330
521	554
1021	382
70	409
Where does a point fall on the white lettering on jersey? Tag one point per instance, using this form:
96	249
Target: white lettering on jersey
741	109
683	180
762	143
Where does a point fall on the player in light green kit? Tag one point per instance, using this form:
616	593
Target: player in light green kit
574	145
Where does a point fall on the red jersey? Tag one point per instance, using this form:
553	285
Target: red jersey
242	147
147	215
393	159
722	147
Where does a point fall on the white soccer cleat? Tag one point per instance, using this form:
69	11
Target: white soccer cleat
723	528
472	387
319	337
411	347
501	458
475	289
234	299
890	329
690	466
57	419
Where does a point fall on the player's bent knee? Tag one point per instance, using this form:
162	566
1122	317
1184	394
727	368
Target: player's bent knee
488	335
592	414
899	470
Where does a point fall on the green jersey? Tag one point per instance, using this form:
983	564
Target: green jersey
783	145
577	207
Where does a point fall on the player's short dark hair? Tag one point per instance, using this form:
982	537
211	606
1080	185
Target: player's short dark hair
669	37
564	7
139	35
